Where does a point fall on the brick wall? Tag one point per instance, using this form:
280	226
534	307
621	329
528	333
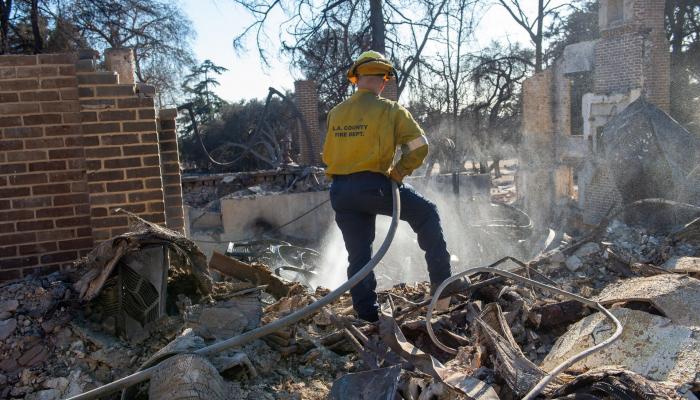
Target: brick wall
634	53
74	144
391	91
602	195
638	16
170	167
657	70
307	102
537	157
44	202
618	63
122	153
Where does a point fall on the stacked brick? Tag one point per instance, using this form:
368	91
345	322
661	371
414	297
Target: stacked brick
44	202
391	91
539	119
170	167
307	103
633	53
122	154
602	196
74	145
537	161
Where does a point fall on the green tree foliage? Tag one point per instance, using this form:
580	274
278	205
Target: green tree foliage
581	25
157	31
198	86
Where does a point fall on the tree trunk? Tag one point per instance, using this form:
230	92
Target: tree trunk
496	166
483	164
429	171
538	37
38	40
5	9
376	23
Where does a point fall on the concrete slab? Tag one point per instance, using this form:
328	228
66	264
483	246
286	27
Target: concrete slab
246	217
650	345
675	296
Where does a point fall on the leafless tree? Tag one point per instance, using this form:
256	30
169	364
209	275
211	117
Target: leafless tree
494	110
5	10
157	31
444	77
342	29
533	26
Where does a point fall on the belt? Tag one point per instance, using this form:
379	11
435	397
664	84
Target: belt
359	175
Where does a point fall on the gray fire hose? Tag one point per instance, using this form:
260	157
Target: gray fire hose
270	328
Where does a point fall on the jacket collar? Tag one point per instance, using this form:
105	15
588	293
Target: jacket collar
367	91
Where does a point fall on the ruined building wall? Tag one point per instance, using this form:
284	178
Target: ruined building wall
603	196
74	144
170	168
630	59
537	157
633	52
122	153
44	200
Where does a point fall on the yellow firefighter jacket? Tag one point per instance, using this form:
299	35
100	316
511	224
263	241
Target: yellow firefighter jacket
364	132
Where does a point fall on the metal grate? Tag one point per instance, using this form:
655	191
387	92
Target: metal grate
128	293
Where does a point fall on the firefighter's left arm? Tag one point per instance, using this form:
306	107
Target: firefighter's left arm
414	144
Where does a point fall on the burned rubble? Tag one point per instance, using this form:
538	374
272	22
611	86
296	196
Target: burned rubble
204	191
59	340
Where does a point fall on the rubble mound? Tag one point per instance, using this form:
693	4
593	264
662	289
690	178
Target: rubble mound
506	335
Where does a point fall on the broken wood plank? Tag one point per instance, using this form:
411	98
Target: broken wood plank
241	271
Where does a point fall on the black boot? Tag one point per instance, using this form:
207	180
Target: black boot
457	286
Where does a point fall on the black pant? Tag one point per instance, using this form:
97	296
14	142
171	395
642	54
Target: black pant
357	199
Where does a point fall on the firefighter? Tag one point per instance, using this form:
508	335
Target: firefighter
364	132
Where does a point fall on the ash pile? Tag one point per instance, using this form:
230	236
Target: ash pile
147	299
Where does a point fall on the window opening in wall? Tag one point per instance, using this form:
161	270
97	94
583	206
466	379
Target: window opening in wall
615	10
581	83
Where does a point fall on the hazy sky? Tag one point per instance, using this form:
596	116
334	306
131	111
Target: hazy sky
217	22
